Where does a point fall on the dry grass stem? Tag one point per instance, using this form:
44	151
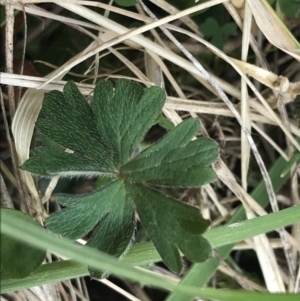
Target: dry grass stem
256	97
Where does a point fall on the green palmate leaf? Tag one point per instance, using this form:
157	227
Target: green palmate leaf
126	114
18	259
107	212
50	161
115	234
179	136
67	119
211	28
171	225
174	163
105	138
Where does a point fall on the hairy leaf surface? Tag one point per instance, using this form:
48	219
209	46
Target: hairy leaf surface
182	166
67	119
171	225
105	137
125	114
54	162
107	214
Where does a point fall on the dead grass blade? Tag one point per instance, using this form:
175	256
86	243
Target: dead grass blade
245	109
170	9
273	28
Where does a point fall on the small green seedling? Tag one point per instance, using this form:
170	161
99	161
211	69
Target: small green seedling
105	138
211	28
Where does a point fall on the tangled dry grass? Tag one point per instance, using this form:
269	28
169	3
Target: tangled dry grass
259	97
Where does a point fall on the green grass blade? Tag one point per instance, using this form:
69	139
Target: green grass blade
86	255
200	273
46	273
140	254
60	271
235	232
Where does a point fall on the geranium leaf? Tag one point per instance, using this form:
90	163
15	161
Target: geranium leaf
67	119
115	233
126	114
84	212
18	259
53	162
178	166
174	175
171	225
106	213
210	27
104	138
179	136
